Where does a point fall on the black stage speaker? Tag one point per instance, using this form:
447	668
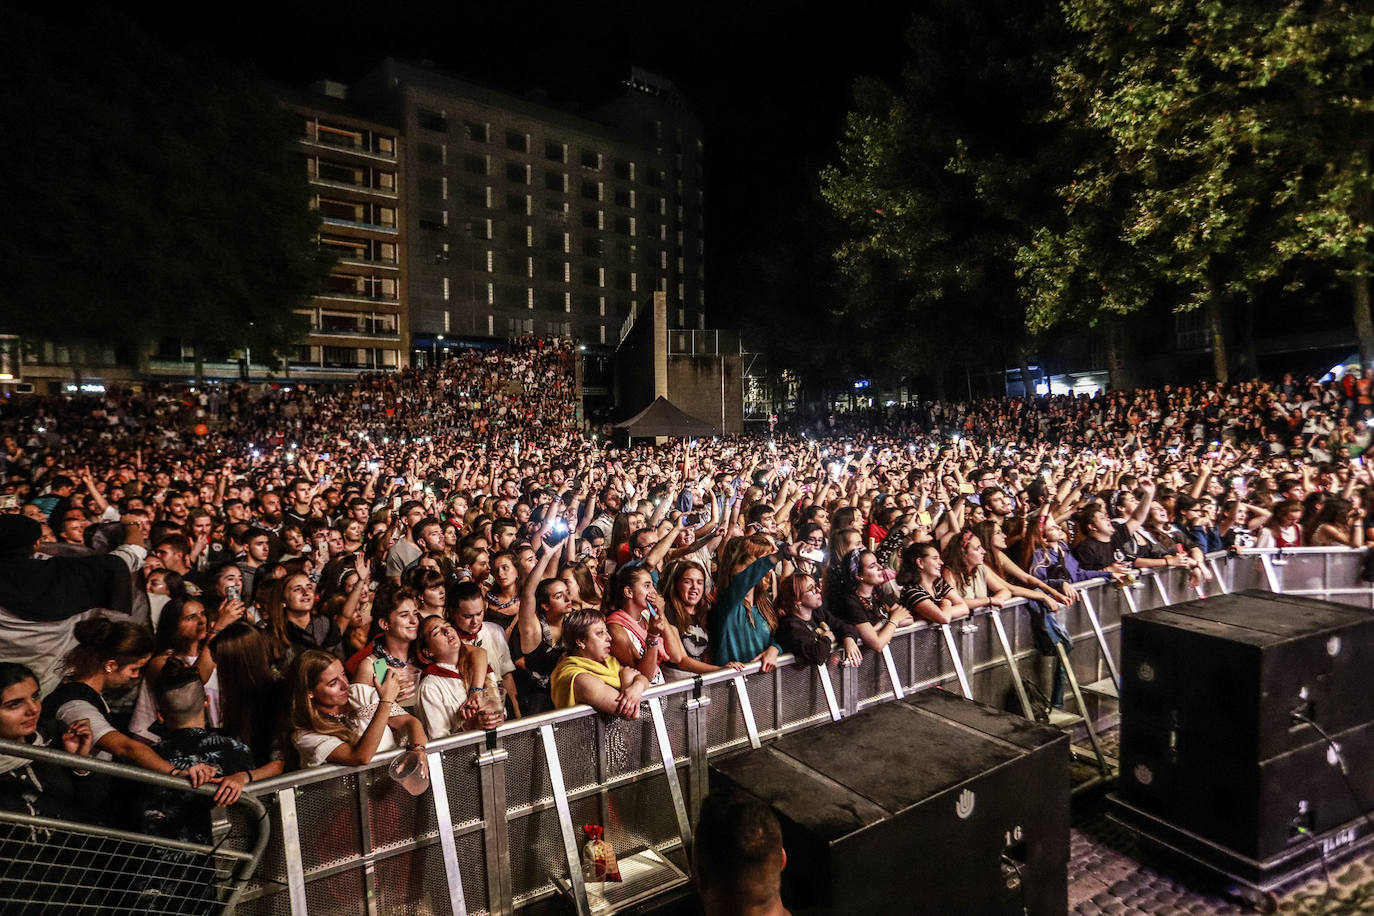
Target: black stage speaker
1254	808
934	804
1230	671
1209	737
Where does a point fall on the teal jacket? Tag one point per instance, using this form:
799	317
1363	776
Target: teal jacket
733	637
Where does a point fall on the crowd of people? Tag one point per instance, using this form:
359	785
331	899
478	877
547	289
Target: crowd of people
225	583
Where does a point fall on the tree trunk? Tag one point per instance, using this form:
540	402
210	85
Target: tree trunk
1027	382
1249	352
1364	325
1216	332
1117	375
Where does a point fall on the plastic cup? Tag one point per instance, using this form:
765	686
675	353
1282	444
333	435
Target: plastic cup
412	772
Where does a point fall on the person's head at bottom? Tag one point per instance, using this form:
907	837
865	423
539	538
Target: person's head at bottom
737	857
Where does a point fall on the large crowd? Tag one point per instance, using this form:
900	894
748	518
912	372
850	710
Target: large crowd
225	583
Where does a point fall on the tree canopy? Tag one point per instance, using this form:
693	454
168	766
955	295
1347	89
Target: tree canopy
152	195
940	181
1192	154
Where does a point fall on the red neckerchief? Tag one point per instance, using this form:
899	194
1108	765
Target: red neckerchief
439	670
470	640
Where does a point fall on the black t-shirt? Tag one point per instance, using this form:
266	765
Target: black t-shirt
812	640
913	595
854	610
1094	554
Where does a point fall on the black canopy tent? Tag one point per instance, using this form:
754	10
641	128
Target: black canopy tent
663	418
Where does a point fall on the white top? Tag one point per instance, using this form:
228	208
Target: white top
440	700
43	644
315	748
76	710
492	638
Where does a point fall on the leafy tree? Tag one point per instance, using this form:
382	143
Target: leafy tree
153	196
1323	53
941	182
1229	140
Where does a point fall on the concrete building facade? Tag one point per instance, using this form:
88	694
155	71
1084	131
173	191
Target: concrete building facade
522	218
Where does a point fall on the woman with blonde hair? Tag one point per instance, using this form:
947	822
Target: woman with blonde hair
333	722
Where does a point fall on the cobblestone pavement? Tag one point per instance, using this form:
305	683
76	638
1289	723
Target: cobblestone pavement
1110	874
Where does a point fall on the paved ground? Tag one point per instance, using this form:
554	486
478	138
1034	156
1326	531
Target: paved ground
1111	874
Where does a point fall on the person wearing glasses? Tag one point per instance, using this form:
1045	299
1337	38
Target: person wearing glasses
807	630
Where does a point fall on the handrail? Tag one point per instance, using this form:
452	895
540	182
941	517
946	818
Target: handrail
581	711
258	815
685	685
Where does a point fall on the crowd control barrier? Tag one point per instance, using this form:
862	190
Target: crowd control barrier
57	866
500	826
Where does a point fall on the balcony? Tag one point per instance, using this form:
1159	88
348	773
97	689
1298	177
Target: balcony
335	334
359	297
342	145
388	193
367	262
359	224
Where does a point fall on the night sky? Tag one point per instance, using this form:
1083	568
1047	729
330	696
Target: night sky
770	80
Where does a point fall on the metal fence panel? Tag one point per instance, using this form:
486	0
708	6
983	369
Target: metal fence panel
614	777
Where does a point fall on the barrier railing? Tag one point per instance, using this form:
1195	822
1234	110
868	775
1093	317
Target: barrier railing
51	866
498	828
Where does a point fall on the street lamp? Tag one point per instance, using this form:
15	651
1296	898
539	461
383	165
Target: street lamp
434	347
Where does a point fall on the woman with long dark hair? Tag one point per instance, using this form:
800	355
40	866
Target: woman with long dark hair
395	627
252	694
1339	523
181	633
33	787
924	591
874	621
110	654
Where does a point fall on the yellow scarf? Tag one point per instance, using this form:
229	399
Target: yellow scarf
567	670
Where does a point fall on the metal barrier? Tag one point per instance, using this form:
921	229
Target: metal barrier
498	828
49	865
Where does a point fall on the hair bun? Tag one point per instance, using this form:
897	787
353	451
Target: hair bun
93	632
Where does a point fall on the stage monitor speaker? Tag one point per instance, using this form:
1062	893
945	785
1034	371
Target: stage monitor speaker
1231	671
930	805
1254	808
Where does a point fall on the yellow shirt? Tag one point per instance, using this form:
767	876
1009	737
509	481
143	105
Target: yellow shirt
567	670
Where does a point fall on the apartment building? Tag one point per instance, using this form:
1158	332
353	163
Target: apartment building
523	218
359	322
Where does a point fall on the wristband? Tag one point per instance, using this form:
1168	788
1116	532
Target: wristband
250	775
651	642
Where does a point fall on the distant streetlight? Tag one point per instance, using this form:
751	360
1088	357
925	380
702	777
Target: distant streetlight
434	347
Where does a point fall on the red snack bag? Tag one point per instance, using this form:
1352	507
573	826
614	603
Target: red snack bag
598	856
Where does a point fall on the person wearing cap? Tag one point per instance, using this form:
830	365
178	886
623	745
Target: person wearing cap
42	600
